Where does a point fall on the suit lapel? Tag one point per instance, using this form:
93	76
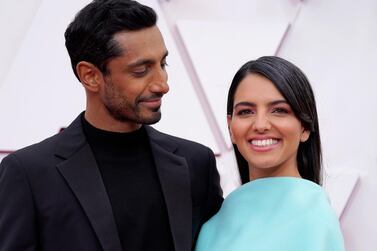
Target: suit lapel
175	183
82	174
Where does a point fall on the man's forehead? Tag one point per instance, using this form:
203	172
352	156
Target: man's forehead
139	37
147	42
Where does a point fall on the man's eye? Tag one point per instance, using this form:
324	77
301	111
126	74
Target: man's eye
140	72
164	64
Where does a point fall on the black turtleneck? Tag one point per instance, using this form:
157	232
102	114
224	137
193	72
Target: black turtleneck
126	163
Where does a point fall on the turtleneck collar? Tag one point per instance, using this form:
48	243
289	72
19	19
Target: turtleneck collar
135	142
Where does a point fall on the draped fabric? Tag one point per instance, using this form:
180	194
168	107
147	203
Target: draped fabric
274	214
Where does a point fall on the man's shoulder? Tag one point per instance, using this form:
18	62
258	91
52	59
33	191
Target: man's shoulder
183	147
180	142
47	147
42	148
184	142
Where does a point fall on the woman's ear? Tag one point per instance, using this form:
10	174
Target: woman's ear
304	135
89	75
229	120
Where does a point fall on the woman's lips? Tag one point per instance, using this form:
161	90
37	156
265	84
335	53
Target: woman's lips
263	145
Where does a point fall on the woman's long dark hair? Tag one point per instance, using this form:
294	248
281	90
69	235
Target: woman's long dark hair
295	88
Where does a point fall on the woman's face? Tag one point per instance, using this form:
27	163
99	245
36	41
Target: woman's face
265	129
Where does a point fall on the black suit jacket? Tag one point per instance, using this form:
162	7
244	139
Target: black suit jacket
52	196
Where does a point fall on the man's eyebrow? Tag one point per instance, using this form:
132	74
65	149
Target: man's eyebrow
146	61
140	62
251	104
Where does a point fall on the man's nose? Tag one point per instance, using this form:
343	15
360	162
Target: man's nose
159	84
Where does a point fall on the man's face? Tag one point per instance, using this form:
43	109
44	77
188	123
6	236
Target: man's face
136	80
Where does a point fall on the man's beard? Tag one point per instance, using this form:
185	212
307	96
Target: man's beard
132	114
121	109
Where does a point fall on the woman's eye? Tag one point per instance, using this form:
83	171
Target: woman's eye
244	112
280	110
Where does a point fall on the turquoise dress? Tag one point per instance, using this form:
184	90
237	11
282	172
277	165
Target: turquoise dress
273	214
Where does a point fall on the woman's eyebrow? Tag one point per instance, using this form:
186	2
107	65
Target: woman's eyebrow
252	104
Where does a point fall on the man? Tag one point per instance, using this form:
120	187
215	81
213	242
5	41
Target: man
109	181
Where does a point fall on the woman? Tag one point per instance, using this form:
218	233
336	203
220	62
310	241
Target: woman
273	125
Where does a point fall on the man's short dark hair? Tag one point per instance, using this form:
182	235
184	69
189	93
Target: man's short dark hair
90	36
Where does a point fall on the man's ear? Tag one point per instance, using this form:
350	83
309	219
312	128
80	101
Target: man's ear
229	120
90	76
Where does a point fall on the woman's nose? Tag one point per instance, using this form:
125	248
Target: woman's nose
261	123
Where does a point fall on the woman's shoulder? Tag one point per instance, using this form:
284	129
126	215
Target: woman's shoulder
283	207
293	189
